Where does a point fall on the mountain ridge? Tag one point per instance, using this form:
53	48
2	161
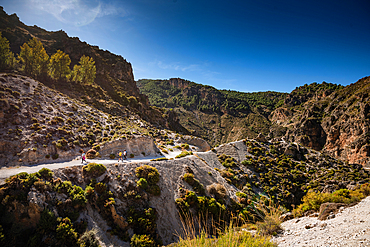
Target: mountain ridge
305	115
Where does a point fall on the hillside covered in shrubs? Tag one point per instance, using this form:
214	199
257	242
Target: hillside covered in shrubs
245	183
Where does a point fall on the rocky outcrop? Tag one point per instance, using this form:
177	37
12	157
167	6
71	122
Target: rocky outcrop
137	145
337	122
281	115
202	145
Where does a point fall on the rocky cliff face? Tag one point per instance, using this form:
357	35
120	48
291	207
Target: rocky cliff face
334	121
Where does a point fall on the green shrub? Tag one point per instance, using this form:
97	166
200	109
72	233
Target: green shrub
112	156
227	161
94	170
313	200
142	183
47	222
142	241
64	187
100	188
159	159
65	232
197	186
46	173
189	178
88	239
132	155
55	156
185	146
150	173
78	197
183	154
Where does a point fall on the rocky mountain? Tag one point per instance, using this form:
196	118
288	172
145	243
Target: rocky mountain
326	117
143	203
114	90
334	119
218	116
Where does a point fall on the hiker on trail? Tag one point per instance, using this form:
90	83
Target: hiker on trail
120	156
83	157
125	154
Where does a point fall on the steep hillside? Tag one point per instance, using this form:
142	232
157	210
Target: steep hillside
334	119
40	124
143	202
114	81
219	116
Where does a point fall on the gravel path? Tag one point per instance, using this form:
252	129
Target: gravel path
6	172
350	227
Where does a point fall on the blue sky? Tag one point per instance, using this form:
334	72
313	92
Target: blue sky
242	45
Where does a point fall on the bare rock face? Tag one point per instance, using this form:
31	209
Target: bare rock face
280	115
118	219
138	145
36	205
200	143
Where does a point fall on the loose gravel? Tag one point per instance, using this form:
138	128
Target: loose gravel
349	227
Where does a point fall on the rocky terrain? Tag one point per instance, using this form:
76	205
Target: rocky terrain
349	227
325	117
297	140
114	90
39	124
116	203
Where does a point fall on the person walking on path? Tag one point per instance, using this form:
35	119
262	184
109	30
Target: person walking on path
125	154
83	157
120	156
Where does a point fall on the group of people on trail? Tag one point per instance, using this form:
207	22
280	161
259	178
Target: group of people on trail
120	155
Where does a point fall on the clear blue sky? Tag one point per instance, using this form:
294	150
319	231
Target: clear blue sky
244	45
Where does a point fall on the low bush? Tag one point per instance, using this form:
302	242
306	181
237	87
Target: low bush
150	173
183	154
313	200
197	186
218	190
142	241
45	173
100	188
65	232
88	239
94	169
142	183
159	159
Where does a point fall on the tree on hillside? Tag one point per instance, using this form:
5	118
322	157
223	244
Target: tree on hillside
34	58
59	65
6	56
85	72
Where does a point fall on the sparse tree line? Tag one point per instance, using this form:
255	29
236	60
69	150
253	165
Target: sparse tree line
36	63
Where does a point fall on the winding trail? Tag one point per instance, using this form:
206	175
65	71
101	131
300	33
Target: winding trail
6	172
